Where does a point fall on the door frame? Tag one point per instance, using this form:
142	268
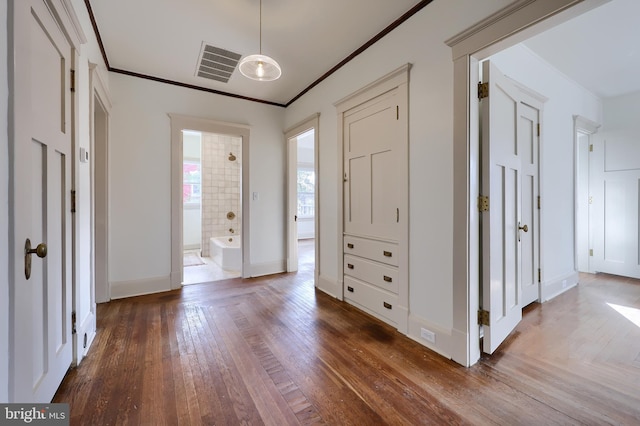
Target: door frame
290	135
507	27
588	127
184	122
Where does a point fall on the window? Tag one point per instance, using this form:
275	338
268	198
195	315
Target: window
306	192
191	183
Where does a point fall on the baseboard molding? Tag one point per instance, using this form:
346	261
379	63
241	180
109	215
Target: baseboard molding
85	326
122	289
558	285
329	286
443	338
268	268
459	352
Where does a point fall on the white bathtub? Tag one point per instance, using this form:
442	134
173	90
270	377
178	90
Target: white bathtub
226	252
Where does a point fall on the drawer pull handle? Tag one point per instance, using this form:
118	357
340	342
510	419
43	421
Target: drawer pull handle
349	245
387	253
350	289
387	305
388	279
350	265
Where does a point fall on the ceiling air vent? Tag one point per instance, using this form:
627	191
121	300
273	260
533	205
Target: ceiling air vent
216	63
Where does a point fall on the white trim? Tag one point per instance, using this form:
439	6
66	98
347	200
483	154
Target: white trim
124	289
443	338
558	285
382	85
329	286
65	13
585	125
178	123
503	29
268	268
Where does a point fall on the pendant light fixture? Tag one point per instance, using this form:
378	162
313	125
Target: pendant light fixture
260	67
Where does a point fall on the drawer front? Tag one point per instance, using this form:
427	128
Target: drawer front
376	301
379	251
378	274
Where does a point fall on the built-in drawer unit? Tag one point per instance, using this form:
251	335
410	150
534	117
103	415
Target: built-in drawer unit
380	251
375	273
378	302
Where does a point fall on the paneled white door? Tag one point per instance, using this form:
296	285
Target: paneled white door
41	341
373	167
501	225
615	220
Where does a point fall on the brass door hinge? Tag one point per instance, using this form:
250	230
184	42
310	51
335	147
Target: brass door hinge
73	201
538	129
590	252
483	317
591	148
539	275
73	80
483	204
538	202
73	322
483	90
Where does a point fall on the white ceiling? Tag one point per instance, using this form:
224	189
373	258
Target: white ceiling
163	38
599	49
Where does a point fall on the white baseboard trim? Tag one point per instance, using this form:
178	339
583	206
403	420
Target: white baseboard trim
443	338
85	326
122	289
268	268
558	285
332	287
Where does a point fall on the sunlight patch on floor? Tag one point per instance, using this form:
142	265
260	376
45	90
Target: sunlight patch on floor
632	314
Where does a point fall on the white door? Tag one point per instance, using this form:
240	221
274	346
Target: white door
373	168
528	152
614	176
292	204
41	305
501	224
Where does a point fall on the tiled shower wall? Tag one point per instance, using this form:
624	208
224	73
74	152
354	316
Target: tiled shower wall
221	180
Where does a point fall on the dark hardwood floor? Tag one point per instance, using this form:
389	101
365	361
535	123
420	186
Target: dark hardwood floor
273	350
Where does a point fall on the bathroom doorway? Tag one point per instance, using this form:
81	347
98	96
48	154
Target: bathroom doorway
212	206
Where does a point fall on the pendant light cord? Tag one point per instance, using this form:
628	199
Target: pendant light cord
261	27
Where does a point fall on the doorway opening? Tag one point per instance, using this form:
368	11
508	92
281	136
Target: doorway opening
212	206
302	198
239	215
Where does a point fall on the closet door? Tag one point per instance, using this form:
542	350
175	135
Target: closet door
373	149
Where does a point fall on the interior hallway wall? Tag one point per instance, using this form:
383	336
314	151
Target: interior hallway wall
140	175
4	208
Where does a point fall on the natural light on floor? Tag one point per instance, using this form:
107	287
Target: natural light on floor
632	314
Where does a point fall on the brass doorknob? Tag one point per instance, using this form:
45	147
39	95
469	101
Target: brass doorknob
524	228
40	250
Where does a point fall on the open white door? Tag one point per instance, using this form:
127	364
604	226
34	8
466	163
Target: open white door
41	344
292	204
501	223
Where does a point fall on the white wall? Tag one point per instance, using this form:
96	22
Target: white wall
140	176
191	216
4	209
566	98
419	41
621	130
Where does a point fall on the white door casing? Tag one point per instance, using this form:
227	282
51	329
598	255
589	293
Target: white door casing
501	183
292	204
40	340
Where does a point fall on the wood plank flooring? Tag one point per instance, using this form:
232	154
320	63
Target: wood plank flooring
274	351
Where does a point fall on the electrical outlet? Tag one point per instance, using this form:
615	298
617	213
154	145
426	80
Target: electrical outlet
427	335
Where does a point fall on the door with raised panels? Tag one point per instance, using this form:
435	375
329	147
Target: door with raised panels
41	343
